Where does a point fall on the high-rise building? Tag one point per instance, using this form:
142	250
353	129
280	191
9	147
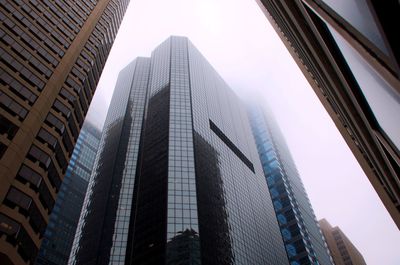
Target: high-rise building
177	178
303	240
341	248
51	57
349	52
59	235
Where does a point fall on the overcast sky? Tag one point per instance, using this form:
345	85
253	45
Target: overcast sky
238	41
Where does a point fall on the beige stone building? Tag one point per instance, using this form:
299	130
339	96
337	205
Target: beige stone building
342	250
52	54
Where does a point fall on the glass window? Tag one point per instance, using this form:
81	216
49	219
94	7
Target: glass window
383	100
291	250
278	205
286	234
8	226
30	175
274	193
19	198
7	127
40	156
282	219
47	137
12	106
358	14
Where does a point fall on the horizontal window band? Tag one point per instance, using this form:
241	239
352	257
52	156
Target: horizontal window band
231	145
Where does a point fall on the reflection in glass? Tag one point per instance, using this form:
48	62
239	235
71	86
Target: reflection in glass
358	14
383	100
184	248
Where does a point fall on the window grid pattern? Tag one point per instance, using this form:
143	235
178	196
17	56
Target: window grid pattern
60	231
303	239
101	178
134	116
246	228
195	200
182	200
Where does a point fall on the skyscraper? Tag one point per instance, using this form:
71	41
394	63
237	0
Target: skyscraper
349	52
178	178
59	235
342	250
304	242
52	54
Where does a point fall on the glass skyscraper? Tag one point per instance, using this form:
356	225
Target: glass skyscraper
177	178
59	235
303	239
52	53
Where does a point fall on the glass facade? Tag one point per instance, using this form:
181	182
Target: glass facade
111	186
303	239
59	234
178	178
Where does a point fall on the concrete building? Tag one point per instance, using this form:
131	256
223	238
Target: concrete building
178	179
341	248
52	54
349	52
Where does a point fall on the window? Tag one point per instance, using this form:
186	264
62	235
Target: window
59	106
38	155
231	145
291	250
53	121
47	137
286	234
7	127
13	107
26	174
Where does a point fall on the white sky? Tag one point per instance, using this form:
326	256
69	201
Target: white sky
239	42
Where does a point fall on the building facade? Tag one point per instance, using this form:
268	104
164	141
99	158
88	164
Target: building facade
59	235
341	248
188	187
52	54
304	242
349	52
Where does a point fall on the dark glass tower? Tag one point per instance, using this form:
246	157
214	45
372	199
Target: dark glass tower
349	51
303	239
59	235
52	53
178	179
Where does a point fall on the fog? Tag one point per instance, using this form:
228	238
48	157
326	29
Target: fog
239	42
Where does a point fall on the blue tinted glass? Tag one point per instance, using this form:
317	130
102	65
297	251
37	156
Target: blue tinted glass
278	205
291	250
274	193
282	219
286	234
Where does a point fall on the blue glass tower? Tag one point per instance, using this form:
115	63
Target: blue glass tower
59	235
301	234
178	179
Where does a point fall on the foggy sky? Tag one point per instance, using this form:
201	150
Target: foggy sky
238	41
